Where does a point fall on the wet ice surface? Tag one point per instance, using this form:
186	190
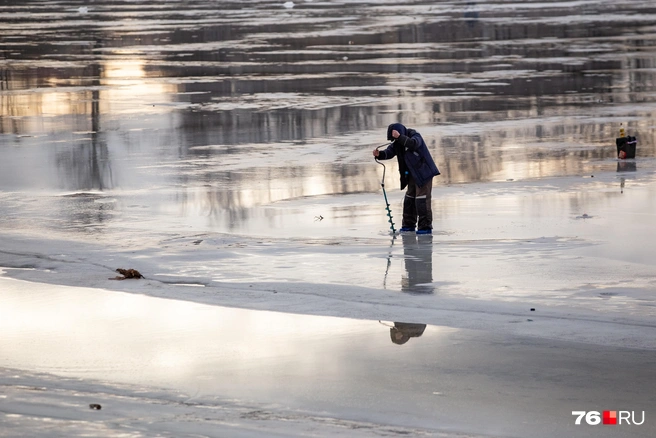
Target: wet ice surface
568	243
230	149
266	372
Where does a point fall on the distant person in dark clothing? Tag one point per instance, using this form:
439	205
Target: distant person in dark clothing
417	170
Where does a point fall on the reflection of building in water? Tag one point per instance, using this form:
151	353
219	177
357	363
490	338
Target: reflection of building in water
403	331
230	89
86	165
65	105
418	261
471	14
238	193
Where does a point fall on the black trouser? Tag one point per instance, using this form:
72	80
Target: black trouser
417	204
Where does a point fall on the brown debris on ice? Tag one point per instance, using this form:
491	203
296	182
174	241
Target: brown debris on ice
127	273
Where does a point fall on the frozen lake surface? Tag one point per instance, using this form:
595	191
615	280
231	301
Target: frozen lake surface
235	371
225	153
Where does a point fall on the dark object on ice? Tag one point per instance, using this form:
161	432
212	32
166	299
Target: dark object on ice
626	147
127	273
532	309
403	331
95	406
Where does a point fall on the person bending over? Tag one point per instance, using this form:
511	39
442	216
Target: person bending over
417	169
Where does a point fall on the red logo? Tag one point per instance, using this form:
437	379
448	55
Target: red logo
610	417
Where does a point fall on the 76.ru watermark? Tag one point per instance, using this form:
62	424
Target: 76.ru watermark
609	418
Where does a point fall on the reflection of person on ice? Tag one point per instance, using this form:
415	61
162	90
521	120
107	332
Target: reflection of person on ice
403	331
417	170
418	260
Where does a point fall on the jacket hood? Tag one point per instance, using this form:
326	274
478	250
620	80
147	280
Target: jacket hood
396	127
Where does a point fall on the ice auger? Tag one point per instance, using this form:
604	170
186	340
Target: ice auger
382	184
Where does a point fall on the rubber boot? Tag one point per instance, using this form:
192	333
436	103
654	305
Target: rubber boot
409	213
425	215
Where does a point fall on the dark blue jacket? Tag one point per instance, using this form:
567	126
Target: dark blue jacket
412	155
